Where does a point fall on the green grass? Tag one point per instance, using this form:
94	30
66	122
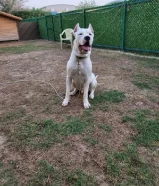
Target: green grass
24	48
104	108
91	140
147	62
47	174
46	133
112	96
147	126
12	116
80	178
105	127
143	81
8	175
151	63
125	168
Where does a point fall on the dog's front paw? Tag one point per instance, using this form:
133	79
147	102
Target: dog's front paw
86	104
65	102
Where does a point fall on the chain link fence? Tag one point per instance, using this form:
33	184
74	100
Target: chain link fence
131	25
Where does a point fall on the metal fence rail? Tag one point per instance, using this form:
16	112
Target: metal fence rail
130	25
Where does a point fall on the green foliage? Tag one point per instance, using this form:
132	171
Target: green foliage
11	5
25	14
86	4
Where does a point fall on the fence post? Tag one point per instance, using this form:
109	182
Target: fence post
124	24
53	27
46	28
84	18
61	22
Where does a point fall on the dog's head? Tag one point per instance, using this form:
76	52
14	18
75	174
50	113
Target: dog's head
83	39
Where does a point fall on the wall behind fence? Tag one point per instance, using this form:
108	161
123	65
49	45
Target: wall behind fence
132	25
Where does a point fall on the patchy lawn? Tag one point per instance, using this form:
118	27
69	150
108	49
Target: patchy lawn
116	142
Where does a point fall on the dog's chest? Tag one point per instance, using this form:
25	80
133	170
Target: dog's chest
79	72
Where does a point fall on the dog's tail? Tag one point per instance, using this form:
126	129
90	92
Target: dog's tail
96	76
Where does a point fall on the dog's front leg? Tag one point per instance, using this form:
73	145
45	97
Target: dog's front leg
85	95
68	88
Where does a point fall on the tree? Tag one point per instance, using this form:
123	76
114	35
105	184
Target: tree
11	5
86	4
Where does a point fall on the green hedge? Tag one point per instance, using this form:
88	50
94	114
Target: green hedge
27	14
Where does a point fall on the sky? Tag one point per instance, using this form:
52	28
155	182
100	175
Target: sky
42	3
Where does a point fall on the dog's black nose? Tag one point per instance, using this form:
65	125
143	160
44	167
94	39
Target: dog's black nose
87	38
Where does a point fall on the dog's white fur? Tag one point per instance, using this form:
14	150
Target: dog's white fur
79	66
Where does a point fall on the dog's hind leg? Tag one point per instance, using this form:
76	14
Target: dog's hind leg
72	93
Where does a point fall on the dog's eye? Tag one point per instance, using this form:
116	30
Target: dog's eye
80	34
90	34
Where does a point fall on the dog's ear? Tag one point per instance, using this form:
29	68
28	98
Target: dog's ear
76	27
91	28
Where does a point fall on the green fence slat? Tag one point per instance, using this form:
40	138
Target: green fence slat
123	24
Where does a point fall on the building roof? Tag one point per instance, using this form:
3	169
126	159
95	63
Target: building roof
10	16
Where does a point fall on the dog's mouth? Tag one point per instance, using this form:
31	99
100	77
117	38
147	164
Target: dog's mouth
85	48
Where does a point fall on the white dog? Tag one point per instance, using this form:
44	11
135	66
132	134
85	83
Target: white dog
79	66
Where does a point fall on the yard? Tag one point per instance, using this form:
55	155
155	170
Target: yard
116	142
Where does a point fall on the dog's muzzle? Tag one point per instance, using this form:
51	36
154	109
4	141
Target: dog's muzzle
86	47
